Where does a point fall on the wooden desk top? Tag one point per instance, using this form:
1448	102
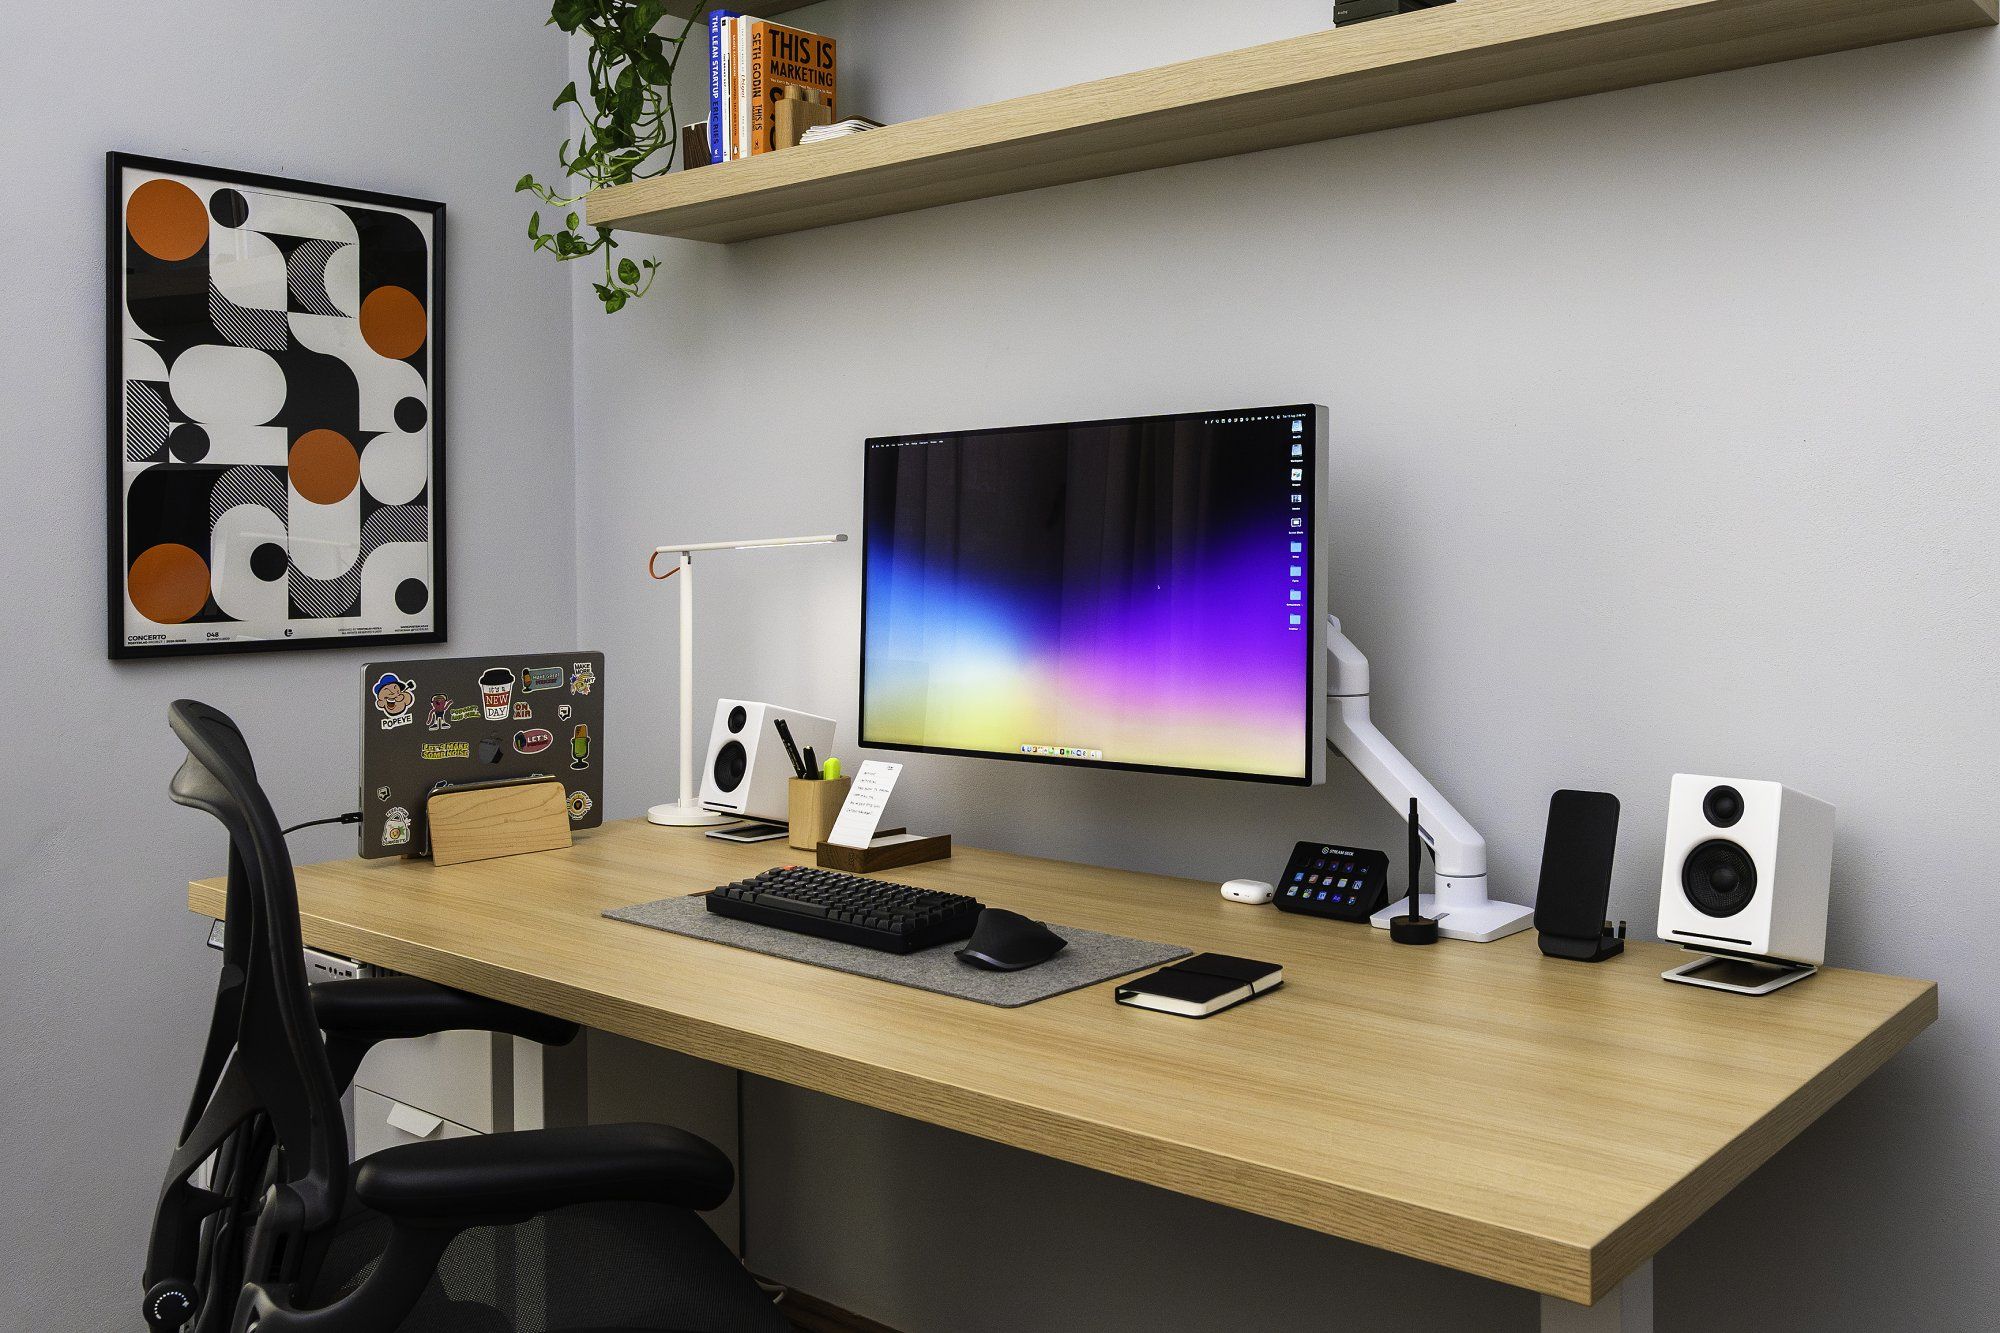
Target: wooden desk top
1546	1124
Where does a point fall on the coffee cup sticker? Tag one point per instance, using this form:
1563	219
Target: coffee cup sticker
496	693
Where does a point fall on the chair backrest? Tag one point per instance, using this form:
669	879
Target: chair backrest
266	1106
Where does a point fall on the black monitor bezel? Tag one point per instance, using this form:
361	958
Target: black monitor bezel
1312	774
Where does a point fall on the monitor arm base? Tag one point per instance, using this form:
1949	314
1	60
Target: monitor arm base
1459	900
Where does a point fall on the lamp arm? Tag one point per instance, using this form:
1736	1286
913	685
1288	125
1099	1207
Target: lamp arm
1457	849
688	790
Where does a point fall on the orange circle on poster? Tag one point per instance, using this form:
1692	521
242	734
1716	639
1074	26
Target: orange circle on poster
167	220
392	322
168	583
324	467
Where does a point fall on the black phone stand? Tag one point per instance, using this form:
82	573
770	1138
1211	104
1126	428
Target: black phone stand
1593	950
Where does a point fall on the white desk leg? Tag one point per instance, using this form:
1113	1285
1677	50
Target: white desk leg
1627	1309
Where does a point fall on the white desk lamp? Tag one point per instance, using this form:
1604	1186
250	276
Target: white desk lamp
687	811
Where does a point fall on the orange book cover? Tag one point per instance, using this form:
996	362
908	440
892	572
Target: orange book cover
779	55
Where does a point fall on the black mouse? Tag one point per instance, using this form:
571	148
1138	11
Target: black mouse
1007	942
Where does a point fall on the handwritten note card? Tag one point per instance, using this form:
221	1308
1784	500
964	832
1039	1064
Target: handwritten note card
866	801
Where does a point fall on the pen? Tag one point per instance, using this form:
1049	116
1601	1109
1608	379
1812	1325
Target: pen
791	750
812	766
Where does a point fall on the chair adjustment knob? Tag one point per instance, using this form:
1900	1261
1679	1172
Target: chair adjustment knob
170	1303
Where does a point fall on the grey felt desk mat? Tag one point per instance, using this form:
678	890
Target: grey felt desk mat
1090	958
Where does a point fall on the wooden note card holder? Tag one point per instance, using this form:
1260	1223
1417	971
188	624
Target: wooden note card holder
901	850
478	823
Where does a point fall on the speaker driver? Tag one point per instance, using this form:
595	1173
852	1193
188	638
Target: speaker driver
1719	878
1723	806
732	761
738	717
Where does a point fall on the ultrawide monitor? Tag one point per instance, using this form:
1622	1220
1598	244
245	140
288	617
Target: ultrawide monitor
1145	593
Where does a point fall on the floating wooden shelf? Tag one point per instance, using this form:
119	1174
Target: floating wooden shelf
1477	55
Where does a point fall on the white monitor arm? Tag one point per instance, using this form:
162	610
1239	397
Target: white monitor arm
1458	899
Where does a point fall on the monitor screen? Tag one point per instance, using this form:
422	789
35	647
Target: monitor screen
1141	594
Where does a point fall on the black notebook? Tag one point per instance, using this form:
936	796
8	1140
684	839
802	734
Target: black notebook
1202	985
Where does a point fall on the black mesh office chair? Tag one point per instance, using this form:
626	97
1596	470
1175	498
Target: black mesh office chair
587	1230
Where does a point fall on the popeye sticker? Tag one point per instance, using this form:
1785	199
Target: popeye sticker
579	746
396	827
534	740
394	699
579	804
440	718
581	677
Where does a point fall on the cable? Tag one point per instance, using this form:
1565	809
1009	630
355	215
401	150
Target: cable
351	817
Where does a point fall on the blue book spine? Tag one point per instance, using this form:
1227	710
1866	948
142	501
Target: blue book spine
716	19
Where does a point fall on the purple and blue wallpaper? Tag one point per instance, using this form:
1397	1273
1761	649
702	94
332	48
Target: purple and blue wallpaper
1129	593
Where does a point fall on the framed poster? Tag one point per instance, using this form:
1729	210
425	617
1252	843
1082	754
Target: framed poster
275	401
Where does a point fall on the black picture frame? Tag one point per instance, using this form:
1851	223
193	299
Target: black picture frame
118	641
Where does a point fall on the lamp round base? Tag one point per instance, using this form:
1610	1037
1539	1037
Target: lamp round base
676	815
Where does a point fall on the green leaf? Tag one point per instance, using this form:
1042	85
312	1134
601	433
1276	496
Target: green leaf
628	272
534	225
574	222
566	96
526	182
614	302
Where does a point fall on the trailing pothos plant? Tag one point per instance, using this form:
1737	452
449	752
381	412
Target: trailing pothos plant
627	120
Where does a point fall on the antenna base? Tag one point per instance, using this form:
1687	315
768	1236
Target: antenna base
1413	930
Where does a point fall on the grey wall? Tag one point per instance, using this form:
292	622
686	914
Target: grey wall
104	980
1664	441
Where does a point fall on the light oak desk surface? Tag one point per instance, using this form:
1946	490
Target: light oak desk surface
1546	1124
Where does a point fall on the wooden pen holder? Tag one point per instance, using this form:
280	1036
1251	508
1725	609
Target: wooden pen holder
813	806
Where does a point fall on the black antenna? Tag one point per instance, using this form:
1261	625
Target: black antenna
1413	927
1416	856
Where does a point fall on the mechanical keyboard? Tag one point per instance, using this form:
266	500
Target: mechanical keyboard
894	918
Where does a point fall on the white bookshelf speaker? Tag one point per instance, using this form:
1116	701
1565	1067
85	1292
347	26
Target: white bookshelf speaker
747	766
1748	870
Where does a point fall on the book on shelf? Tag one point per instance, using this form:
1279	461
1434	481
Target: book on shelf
751	62
840	130
718	83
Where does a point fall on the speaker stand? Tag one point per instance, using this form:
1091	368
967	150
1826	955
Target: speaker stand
1739	976
686	813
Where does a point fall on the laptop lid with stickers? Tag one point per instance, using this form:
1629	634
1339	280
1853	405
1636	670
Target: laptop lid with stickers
432	723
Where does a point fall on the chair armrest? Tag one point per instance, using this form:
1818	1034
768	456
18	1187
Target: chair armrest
532	1171
374	1009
